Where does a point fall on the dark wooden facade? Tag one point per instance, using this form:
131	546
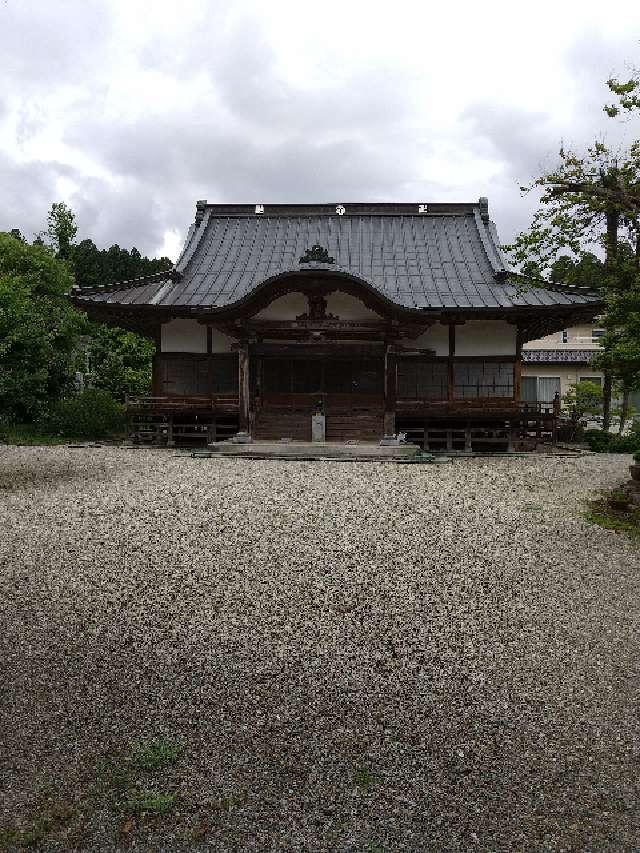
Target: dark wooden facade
400	361
368	379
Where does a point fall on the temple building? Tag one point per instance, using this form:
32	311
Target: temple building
384	318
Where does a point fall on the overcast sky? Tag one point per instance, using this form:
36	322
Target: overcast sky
130	111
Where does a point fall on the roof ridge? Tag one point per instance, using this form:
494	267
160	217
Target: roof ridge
356	208
487	244
139	281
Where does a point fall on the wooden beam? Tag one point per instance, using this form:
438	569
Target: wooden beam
320	350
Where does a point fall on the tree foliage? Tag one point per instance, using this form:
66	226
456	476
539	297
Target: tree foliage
590	205
120	361
62	229
620	353
40	332
628	94
583	398
589	202
38	328
93	266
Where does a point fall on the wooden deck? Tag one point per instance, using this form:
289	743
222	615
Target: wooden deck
454	426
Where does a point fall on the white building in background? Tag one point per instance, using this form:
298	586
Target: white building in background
554	363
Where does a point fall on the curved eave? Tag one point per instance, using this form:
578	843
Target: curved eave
319	279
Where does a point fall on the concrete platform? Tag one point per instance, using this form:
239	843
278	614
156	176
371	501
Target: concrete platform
312	450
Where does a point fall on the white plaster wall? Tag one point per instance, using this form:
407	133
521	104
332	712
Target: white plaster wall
183	336
579	337
221	342
286	307
349	308
485	337
436	338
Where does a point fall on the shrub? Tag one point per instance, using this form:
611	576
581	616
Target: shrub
606	442
91	414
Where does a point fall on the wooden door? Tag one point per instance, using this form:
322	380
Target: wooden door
348	390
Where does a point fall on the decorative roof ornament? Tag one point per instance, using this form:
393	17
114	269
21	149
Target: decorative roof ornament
317	255
340	209
423	208
259	208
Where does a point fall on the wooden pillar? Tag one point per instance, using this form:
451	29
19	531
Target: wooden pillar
517	368
170	441
243	387
390	373
467	438
452	352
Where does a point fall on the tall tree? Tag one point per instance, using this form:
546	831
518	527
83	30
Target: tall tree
590	201
61	229
38	328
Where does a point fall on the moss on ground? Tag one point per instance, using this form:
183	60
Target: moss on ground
627	520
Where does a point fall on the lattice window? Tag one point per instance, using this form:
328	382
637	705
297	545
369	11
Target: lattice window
482	379
198	375
313	376
422	380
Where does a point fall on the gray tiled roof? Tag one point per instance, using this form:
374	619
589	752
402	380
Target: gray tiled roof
447	258
558	356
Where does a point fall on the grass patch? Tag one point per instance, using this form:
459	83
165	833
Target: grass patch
130	783
124	780
49	819
25	434
143	803
627	520
364	778
153	754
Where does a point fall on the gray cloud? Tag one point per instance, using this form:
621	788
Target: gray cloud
27	193
256	132
48	44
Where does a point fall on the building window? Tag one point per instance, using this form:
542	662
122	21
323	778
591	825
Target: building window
313	376
597	334
474	379
548	387
422	380
539	389
565	336
597	380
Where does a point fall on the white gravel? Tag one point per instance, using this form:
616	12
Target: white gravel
457	634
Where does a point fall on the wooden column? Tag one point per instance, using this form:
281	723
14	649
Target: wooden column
452	352
390	382
243	386
517	368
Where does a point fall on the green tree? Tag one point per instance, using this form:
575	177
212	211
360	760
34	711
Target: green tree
590	201
38	329
583	398
61	229
120	361
93	266
628	94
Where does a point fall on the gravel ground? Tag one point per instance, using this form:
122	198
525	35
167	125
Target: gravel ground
355	656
